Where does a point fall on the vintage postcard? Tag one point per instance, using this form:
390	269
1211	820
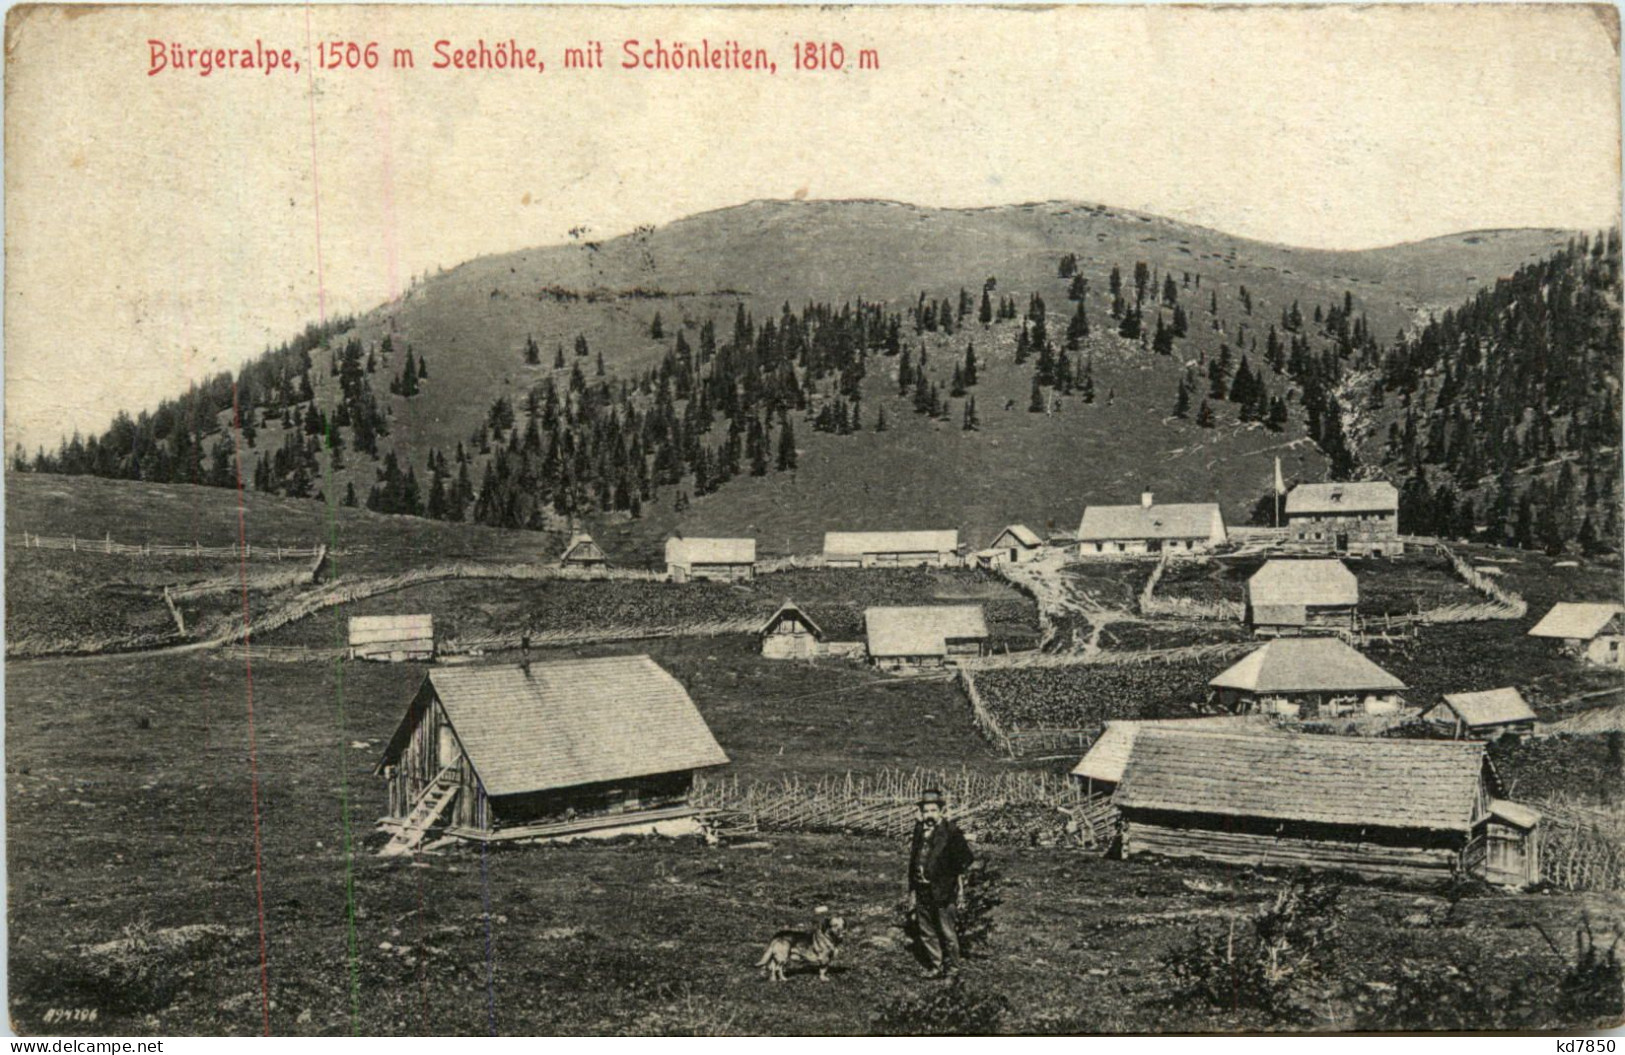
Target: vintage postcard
813	520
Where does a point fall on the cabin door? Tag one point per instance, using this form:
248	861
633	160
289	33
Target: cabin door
1342	542
445	747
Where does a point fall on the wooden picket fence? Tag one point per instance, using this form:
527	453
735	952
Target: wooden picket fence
1108	657
475	643
1581	856
106	545
881	803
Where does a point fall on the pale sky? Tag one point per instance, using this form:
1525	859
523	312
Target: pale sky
161	228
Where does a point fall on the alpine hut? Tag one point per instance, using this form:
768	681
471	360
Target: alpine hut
1101	768
1016	544
790	633
1416	809
545	749
1150	528
1307	677
1356	518
582	552
1287	597
1593	632
924	637
715	559
891	549
1482	715
391	638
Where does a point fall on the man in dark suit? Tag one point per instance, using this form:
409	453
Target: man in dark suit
938	857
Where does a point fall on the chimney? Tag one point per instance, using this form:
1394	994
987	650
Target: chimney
1145	499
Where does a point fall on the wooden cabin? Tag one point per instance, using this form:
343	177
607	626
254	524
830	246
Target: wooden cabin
1016	544
582	552
1149	528
1101	768
790	633
1592	632
924	637
1413	809
391	638
1361	519
1288	597
539	750
891	549
712	559
1482	715
1307	677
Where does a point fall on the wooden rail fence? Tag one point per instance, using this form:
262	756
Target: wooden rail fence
106	545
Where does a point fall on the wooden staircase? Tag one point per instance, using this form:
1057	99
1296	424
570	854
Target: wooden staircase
426	811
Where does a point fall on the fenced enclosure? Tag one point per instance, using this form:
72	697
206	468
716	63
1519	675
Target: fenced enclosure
106	545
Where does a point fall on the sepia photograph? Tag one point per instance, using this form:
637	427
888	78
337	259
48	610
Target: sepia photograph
813	521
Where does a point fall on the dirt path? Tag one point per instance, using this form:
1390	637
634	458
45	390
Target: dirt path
1061	597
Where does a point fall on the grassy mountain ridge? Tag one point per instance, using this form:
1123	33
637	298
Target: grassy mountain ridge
470	324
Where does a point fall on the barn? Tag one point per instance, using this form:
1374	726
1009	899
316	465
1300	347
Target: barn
538	750
1356	518
924	637
1287	597
1016	544
1592	632
1413	809
391	638
1482	715
1101	768
582	552
891	549
713	559
1307	677
790	633
1150	528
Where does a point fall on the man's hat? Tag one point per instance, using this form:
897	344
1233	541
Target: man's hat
933	796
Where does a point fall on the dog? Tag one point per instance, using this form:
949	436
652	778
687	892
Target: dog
815	948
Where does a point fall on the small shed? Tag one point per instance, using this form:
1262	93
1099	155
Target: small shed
1307	677
713	559
536	750
1482	715
391	638
891	549
790	633
1101	768
1415	809
1302	597
1150	528
924	637
582	552
1016	544
1591	631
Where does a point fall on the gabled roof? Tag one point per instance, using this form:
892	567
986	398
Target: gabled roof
1490	707
921	631
1303	582
1355	780
710	551
1022	534
857	543
1515	813
583	541
558	725
1192	520
1368	496
791	608
1106	758
1306	664
1569	619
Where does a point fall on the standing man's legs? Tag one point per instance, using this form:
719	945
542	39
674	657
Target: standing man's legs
948	929
928	922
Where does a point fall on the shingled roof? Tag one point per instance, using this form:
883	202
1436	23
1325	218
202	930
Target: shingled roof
1490	707
1306	664
1429	784
710	551
1369	496
558	725
1022	534
1191	520
1303	582
1569	619
1108	755
923	630
857	543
